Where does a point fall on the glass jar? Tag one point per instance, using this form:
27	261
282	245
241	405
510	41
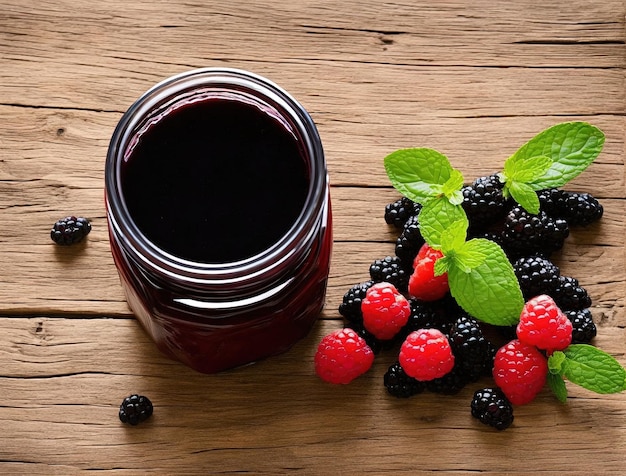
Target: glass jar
241	162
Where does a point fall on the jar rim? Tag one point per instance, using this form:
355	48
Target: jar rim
289	248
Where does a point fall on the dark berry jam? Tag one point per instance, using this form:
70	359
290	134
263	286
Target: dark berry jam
219	217
215	181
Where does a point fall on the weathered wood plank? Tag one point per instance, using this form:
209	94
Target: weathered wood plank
206	421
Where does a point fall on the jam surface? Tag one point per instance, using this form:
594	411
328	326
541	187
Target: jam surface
215	181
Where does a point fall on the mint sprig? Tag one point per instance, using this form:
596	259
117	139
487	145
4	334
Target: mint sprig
587	366
550	160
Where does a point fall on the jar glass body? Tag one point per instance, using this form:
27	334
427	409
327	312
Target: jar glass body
217	314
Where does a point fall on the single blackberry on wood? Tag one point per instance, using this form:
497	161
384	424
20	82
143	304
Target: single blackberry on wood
569	295
350	307
536	275
70	230
135	409
390	270
399	384
484	202
525	233
398	212
409	243
583	327
470	347
492	408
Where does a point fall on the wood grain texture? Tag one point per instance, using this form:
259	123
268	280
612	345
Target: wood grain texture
474	80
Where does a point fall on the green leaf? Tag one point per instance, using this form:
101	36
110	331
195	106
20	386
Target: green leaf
557	385
419	173
571	146
442	265
452	188
436	215
490	291
525	196
555	362
470	255
593	369
454	236
526	169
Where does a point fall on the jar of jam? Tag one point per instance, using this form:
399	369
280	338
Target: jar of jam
219	217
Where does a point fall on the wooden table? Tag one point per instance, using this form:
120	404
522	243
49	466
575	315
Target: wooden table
472	79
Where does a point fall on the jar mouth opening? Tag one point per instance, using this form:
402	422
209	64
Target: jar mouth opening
197	85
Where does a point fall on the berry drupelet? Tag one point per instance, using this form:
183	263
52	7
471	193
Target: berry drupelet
409	243
135	409
492	408
70	230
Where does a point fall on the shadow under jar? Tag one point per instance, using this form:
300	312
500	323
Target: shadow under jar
219	217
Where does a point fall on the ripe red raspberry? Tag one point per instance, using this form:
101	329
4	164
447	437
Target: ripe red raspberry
544	325
342	356
426	355
384	310
520	370
423	284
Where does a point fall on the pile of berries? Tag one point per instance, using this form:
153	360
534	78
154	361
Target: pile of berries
405	306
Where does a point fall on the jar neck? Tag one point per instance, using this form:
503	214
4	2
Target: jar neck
267	265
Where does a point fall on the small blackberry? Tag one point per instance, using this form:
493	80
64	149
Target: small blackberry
135	409
450	384
431	315
390	270
470	347
399	384
492	408
484	202
578	209
398	212
582	209
569	295
536	275
350	308
526	234
584	329
409	243
70	230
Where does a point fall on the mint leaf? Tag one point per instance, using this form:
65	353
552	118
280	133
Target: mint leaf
571	146
555	362
525	196
452	188
557	385
419	173
436	216
526	169
469	256
593	369
490	291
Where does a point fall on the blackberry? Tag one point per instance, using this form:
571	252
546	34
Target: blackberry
431	315
398	212
390	270
492	408
135	409
578	209
350	308
584	329
409	243
536	275
484	202
399	384
70	230
569	295
582	209
470	347
450	384
526	234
